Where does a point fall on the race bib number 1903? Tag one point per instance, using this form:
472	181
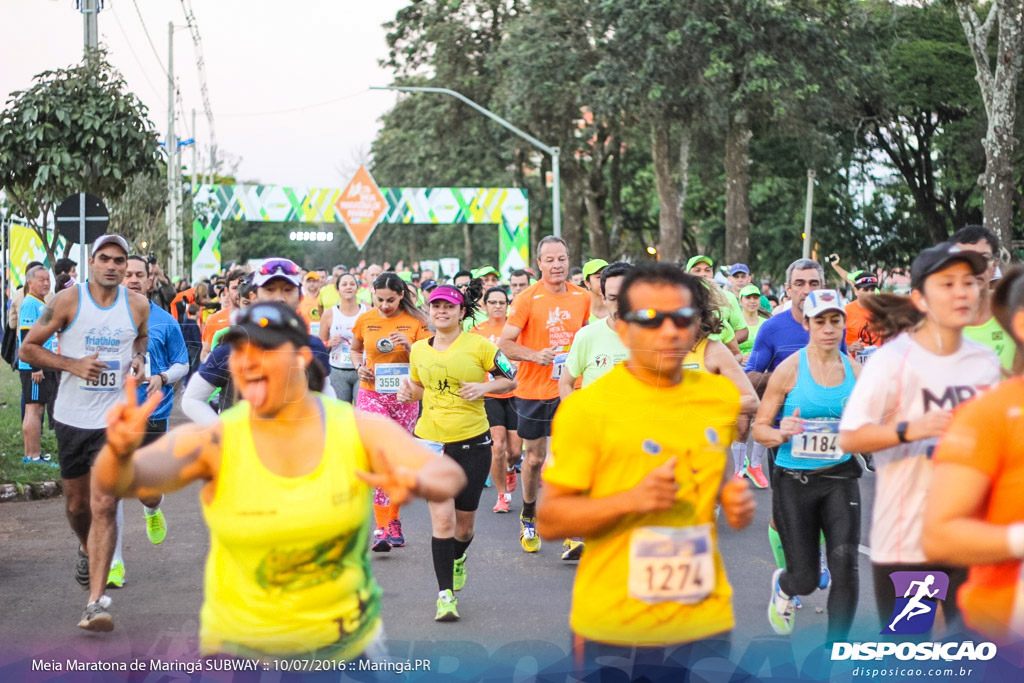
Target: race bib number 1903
109	379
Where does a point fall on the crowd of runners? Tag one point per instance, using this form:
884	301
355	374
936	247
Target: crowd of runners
631	413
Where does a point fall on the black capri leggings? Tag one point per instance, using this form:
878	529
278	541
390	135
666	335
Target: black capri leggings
805	507
474	457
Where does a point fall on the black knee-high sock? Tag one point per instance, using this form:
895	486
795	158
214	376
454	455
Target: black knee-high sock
461	546
443	550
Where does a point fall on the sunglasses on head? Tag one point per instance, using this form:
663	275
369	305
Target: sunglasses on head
651	319
279	265
267	316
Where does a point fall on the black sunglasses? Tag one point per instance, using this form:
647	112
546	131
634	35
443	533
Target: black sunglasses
269	317
651	319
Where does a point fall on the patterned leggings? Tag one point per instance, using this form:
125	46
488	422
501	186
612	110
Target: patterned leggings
405	414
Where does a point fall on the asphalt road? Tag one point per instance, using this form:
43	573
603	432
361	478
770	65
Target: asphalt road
515	606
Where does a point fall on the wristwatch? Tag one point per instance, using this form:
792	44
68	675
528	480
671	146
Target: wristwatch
901	431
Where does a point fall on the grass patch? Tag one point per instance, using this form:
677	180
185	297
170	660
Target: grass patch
12	470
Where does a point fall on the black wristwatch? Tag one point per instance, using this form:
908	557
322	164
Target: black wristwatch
901	431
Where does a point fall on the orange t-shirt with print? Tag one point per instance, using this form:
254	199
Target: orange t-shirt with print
985	435
546	320
371	326
214	324
492	332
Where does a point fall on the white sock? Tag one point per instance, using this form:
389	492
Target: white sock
150	511
757	455
120	531
739	449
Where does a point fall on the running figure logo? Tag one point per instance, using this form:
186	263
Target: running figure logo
915	610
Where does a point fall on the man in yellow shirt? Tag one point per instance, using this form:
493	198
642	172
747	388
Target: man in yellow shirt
638	465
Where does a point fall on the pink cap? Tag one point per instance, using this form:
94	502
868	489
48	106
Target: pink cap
446	293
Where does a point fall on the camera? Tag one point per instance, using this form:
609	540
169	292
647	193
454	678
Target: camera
834	258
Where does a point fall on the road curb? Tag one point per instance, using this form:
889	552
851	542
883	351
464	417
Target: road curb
16	493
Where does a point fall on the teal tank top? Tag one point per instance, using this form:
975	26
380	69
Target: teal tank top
823	406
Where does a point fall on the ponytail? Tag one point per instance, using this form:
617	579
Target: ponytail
397	285
471	298
891	315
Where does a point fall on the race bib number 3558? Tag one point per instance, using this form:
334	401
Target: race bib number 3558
387	377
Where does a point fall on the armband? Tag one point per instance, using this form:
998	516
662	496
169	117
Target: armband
503	366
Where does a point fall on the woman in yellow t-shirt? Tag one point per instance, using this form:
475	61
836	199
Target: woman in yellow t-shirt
449	374
287	476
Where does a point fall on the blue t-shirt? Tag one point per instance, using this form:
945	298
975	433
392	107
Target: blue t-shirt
31	309
778	338
166	347
215	368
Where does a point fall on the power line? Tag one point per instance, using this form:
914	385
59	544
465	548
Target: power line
146	31
204	91
132	50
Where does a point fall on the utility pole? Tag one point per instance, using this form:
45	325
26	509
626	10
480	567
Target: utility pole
193	183
173	185
90	9
807	213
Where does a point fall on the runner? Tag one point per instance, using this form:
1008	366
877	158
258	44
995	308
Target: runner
638	465
986	330
449	373
544	319
973	517
814	486
860	341
903	402
336	333
381	340
309	307
277	279
518	280
592	282
725	302
288	574
222	318
166	363
750	305
102	337
507	450
749	455
38	386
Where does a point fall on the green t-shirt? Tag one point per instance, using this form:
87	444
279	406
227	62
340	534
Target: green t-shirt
472	321
733	314
748	346
595	350
992	335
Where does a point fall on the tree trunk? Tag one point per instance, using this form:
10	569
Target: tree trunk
467	245
999	93
670	244
737	188
572	216
596	194
615	196
685	143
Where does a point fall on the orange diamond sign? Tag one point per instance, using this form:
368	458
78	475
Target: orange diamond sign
361	206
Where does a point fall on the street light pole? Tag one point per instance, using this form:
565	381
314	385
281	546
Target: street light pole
556	194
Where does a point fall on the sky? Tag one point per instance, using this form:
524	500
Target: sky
288	81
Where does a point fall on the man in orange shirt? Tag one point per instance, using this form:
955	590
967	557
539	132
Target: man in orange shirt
858	338
541	325
309	307
222	318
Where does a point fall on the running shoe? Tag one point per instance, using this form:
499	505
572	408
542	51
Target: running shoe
756	475
447	607
510	480
572	549
380	541
115	579
39	461
487	482
156	527
395	537
528	537
780	608
82	569
459	576
824	575
96	617
739	476
797	603
502	504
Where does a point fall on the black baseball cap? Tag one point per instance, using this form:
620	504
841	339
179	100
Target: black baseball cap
934	259
268	325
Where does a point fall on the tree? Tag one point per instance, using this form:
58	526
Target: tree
138	215
997	77
75	130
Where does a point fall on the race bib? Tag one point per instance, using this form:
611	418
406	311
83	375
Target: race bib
314	328
388	376
819	440
671	564
340	356
558	365
109	379
862	356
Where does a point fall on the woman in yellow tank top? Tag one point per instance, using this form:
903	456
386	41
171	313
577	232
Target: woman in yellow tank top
288	476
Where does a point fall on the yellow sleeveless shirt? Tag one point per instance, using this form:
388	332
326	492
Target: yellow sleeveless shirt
695	358
289	569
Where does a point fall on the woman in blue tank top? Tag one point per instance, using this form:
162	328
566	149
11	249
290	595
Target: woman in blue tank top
814	484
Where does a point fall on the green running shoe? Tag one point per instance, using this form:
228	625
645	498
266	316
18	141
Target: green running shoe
116	577
460	573
447	607
156	527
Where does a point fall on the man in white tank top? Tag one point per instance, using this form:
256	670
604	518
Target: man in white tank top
103	333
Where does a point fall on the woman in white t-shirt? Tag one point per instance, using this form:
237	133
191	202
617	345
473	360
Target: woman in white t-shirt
336	333
903	403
